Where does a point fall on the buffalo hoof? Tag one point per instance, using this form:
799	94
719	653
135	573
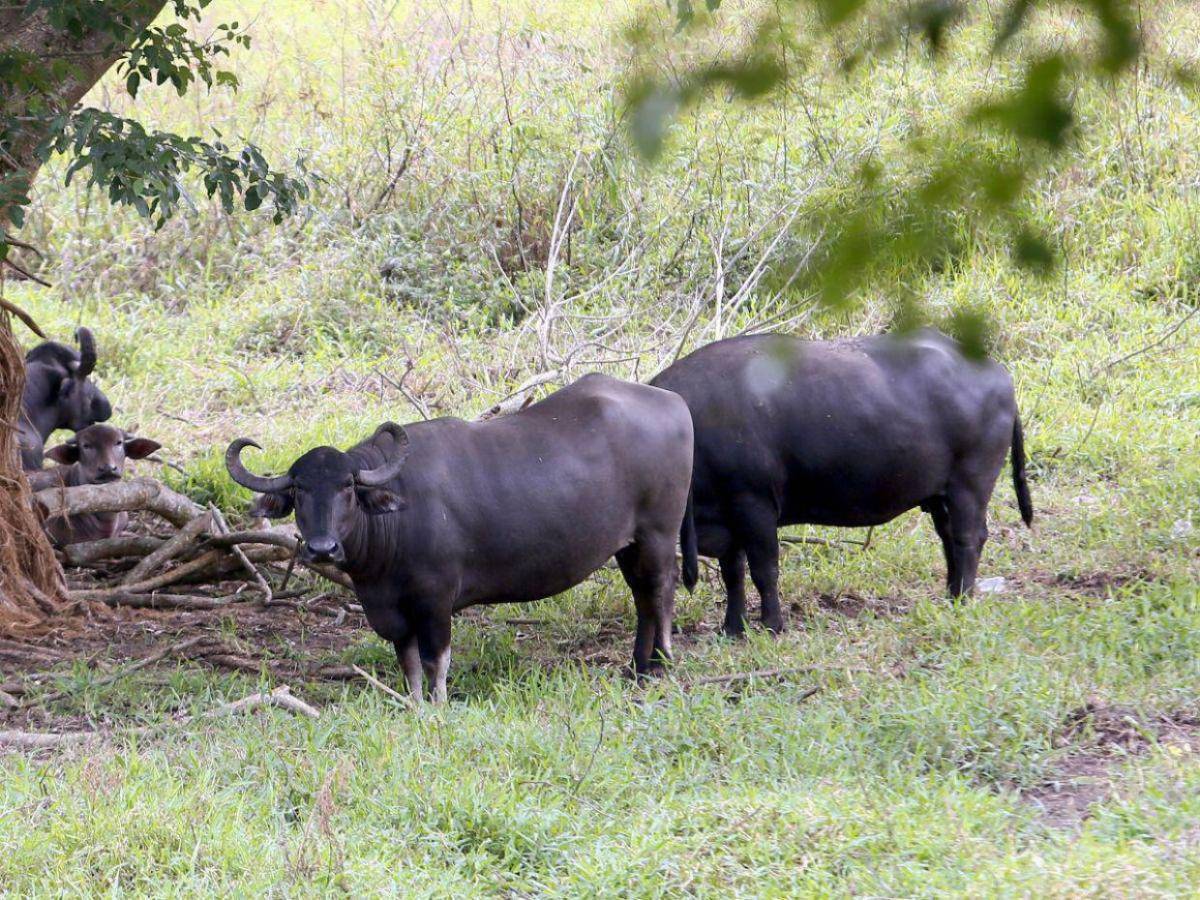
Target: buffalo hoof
775	625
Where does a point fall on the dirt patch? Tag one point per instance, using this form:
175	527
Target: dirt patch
1093	583
1100	738
301	641
852	606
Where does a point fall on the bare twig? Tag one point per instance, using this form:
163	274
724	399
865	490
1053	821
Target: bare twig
769	673
281	697
263	584
376	683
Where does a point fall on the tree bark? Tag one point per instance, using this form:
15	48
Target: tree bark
31	582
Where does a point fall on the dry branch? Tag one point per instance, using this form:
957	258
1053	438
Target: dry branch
122	496
164	601
376	683
169	549
281	697
109	548
33	740
769	673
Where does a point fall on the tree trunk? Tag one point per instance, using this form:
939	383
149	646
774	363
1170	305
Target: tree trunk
31	582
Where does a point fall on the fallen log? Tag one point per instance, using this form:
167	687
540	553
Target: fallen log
109	548
164	601
122	496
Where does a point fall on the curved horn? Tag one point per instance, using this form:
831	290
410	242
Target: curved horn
391	468
247	479
87	352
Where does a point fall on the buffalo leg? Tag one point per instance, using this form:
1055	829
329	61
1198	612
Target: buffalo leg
968	529
649	570
733	574
433	642
410	660
941	522
763	557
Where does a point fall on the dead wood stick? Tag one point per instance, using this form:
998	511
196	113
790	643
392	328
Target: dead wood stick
169	549
263	584
281	697
376	683
33	740
819	542
281	539
201	563
109	548
121	496
272	538
8	701
768	673
152	658
44	654
519	397
165	601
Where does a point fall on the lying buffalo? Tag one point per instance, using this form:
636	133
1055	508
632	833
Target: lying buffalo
95	455
58	394
849	433
437	516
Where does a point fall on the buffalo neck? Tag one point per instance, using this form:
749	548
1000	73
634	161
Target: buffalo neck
36	402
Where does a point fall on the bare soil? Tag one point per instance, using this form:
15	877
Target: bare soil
1099	739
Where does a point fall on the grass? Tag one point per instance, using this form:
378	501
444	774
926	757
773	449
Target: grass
911	771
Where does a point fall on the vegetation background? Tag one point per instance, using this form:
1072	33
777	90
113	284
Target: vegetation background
480	224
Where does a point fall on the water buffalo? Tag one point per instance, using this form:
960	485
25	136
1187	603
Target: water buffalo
850	433
58	394
433	517
95	455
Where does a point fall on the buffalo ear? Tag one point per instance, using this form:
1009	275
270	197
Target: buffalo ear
140	448
272	506
67	453
380	500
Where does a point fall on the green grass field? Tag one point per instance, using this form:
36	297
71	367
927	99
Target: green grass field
1043	740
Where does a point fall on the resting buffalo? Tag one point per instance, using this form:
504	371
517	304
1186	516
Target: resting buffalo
58	394
95	455
437	516
849	433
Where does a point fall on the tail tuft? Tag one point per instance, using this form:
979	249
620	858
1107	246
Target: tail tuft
1024	503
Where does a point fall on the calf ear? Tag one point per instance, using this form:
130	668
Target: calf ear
140	448
380	500
66	454
272	506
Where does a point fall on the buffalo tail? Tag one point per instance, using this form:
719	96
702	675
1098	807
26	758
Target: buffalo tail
1018	472
688	546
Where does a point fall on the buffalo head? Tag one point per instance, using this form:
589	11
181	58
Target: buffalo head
327	491
79	402
100	452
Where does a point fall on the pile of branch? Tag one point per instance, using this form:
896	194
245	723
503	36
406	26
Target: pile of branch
179	569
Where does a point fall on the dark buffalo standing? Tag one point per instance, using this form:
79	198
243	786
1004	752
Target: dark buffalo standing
58	394
850	433
95	455
438	516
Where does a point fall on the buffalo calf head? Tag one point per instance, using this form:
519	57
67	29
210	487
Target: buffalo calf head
100	452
